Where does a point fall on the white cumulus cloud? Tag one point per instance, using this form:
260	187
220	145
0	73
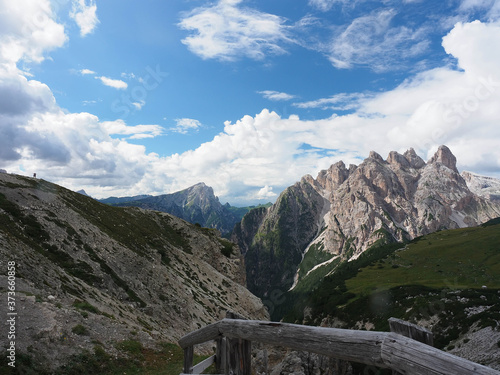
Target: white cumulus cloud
87	72
228	31
115	83
266	193
85	16
185	125
28	31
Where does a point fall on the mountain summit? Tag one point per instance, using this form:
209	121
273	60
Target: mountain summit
317	223
196	204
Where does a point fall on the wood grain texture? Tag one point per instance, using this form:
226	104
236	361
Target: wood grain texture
351	345
412	357
208	333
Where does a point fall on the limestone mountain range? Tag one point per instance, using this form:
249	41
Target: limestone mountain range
319	222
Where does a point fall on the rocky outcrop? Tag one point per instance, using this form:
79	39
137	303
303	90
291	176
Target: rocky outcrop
353	209
89	273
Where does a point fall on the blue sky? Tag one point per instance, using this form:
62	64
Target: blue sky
122	97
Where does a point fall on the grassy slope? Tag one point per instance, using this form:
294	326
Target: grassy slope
459	259
168	360
440	275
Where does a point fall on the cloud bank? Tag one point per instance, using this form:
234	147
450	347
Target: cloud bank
255	157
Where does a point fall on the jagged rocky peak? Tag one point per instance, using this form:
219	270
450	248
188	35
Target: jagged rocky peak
309	180
376	156
200	193
334	176
415	161
395	158
82	192
202	187
345	211
445	157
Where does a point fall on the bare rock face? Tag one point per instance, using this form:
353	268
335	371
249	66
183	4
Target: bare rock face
332	178
401	199
280	235
377	202
415	161
113	273
398	160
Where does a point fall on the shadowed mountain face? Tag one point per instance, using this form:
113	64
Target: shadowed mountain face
318	223
90	274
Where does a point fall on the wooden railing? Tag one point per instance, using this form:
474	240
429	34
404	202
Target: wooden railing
380	349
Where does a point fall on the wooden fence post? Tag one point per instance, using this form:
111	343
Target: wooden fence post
239	353
220	355
188	360
411	331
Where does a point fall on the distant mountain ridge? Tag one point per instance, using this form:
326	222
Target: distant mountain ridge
487	187
318	223
196	204
113	201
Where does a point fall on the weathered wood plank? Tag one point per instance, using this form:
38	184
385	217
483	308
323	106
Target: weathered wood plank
381	349
412	357
225	358
350	345
208	333
203	365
